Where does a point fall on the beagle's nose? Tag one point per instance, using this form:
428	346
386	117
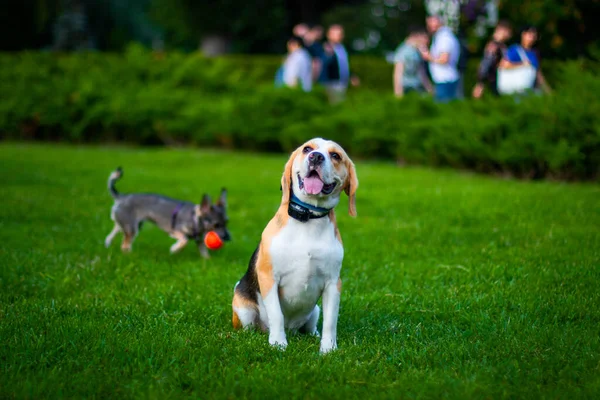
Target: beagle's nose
316	158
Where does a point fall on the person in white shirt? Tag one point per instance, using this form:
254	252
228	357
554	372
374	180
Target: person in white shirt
443	59
297	68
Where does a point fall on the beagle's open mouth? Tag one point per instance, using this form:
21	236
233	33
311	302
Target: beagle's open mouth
312	184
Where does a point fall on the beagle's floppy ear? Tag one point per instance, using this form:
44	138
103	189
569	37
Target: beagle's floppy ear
350	187
286	179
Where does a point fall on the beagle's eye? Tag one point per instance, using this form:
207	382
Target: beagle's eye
335	156
307	149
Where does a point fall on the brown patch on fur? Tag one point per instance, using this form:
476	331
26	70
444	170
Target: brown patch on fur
242	302
280	219
339	285
127	239
235	320
239	302
264	268
275	225
351	186
286	178
345	168
264	272
336	230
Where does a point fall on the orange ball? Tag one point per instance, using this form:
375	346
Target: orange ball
213	241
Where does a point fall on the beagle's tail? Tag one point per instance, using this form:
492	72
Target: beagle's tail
112	179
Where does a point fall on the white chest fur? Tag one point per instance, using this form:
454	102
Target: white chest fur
305	256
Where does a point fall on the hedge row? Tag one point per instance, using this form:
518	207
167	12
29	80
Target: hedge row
146	98
375	73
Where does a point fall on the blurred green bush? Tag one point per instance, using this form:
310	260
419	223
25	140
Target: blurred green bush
172	98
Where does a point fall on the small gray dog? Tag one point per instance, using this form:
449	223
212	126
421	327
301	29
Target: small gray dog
182	220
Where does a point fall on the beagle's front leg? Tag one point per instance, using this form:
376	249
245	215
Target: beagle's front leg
270	295
331	307
276	322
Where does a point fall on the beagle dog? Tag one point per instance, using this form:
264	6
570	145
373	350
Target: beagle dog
299	257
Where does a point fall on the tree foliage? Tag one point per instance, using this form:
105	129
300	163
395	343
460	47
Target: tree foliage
251	26
376	25
567	27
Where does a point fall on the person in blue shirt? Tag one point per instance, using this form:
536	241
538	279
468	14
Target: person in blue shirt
513	56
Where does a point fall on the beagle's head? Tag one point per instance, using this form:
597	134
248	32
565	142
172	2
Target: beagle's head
317	172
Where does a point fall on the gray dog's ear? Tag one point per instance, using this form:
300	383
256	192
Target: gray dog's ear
205	204
222	198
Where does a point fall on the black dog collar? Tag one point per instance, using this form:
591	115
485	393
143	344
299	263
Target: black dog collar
302	211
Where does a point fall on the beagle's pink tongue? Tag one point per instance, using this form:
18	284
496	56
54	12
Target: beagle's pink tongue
313	185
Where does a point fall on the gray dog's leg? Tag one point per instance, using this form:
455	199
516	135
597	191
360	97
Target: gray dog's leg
112	235
181	242
202	249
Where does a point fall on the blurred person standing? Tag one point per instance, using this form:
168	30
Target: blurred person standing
312	42
493	54
297	67
300	30
443	59
71	31
519	70
409	69
335	73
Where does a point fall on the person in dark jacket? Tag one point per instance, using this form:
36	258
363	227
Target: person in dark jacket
492	56
335	65
313	44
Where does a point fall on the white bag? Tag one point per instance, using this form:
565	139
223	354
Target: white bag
519	79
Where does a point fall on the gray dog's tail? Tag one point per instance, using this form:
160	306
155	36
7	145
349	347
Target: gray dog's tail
112	179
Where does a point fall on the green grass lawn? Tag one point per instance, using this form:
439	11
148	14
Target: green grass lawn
455	285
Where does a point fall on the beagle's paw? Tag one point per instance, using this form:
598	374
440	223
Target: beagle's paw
278	341
328	345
